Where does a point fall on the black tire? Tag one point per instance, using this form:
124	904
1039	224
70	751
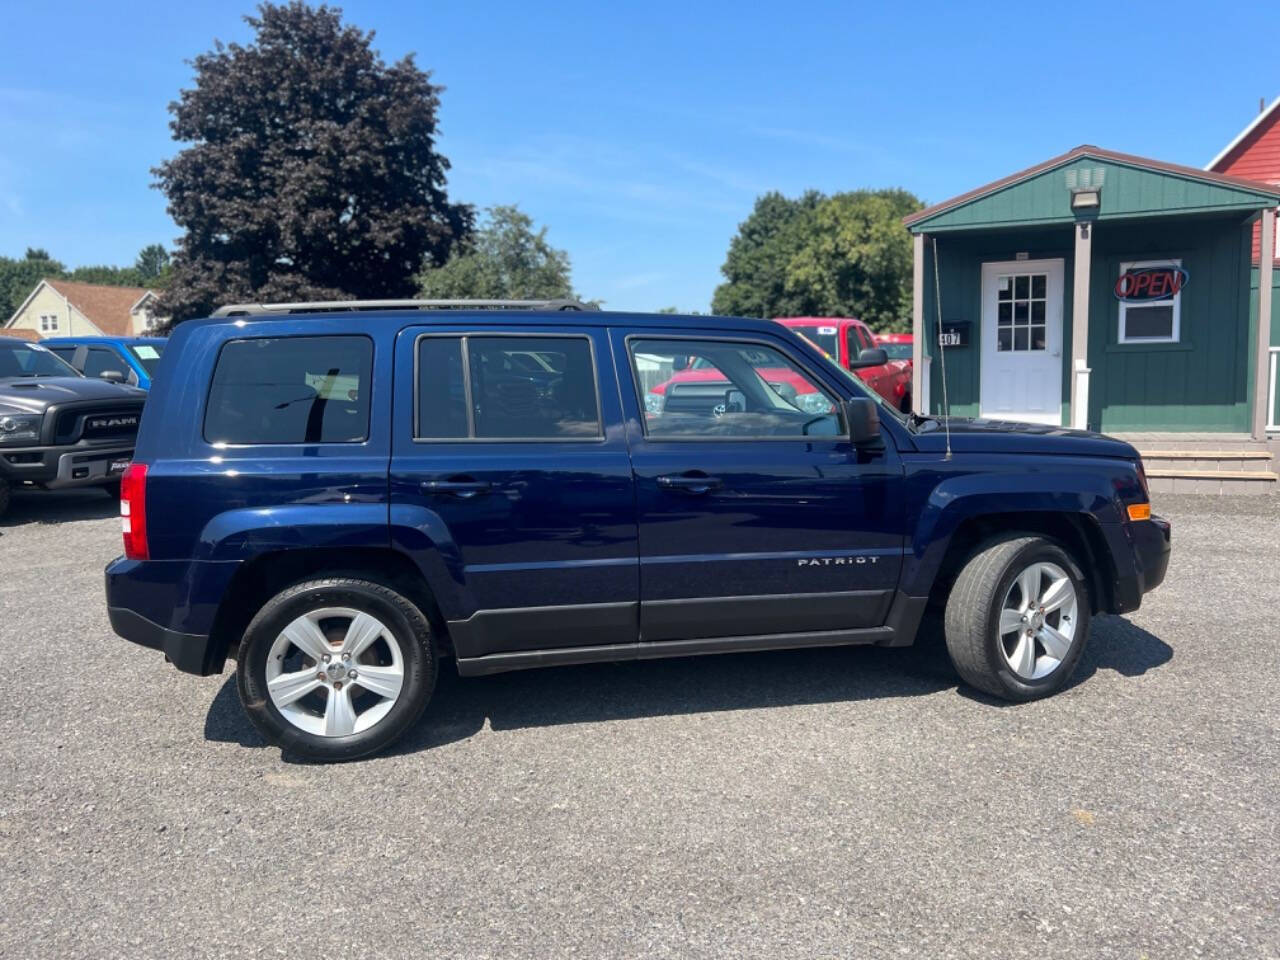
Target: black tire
403	620
4	496
973	612
112	489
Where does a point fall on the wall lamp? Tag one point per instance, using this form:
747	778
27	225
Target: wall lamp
1086	198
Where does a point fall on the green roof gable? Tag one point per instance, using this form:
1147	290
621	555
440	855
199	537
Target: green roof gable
1131	187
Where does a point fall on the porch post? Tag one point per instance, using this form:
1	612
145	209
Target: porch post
1262	358
918	399
1080	326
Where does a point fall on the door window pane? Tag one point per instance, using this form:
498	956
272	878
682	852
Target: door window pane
98	360
725	389
525	388
291	390
442	399
1021	308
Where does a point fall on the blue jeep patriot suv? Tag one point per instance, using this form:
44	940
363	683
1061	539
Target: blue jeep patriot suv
341	495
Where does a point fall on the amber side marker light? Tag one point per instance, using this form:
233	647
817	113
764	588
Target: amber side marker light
1139	511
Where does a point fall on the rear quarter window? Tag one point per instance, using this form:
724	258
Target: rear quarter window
291	390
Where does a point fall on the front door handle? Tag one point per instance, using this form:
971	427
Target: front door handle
462	487
694	482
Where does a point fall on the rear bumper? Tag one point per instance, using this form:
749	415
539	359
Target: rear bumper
189	652
57	468
194	653
1151	543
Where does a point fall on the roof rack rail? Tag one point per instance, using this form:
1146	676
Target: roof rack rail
337	306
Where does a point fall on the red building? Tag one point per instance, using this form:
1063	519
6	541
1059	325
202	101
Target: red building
1254	155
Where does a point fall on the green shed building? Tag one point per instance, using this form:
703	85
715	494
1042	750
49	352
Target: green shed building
1104	291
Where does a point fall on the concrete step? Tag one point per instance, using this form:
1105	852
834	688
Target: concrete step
1199	460
1211	481
1262	454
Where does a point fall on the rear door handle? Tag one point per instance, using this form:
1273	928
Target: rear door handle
694	482
462	487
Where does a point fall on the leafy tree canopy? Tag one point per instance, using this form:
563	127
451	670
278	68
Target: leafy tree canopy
843	255
507	259
312	170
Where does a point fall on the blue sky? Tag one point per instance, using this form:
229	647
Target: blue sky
640	134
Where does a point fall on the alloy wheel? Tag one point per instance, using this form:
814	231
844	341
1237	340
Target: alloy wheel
335	671
1038	620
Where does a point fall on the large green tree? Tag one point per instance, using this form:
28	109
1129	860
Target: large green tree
311	172
843	255
506	259
755	269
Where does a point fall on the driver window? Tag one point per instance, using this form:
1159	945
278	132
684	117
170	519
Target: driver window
726	389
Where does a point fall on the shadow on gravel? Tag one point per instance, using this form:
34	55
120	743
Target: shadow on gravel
624	691
58	507
1116	644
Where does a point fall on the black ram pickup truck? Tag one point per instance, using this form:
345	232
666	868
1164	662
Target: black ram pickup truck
58	428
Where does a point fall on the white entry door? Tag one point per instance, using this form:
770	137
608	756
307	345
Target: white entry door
1022	341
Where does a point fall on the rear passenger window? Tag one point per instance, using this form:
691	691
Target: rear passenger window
507	388
291	390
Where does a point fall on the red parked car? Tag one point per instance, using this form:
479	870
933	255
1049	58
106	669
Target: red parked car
897	345
844	339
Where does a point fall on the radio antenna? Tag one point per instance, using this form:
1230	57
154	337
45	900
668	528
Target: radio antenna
942	348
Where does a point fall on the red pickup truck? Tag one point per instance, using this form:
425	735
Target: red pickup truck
844	339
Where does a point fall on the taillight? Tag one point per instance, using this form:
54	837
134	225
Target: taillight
133	511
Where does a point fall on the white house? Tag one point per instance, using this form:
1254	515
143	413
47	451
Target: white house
62	308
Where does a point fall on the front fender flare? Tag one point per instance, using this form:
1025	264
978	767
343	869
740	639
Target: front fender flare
1085	495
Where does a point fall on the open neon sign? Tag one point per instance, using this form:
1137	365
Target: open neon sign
1144	284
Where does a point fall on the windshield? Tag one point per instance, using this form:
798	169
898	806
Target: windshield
897	351
148	354
826	338
19	359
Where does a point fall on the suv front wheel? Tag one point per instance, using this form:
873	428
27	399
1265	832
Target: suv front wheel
1017	619
336	669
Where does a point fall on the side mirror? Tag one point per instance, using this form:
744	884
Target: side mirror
735	401
862	417
872	357
679	363
111	376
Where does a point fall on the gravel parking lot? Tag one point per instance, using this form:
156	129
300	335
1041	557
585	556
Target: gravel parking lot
841	802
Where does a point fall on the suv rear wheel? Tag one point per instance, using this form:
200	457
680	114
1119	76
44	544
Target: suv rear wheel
1017	619
336	669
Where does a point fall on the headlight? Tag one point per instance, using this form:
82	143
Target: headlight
654	402
813	403
19	428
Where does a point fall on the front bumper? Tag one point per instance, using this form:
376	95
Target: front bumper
57	468
1150	542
